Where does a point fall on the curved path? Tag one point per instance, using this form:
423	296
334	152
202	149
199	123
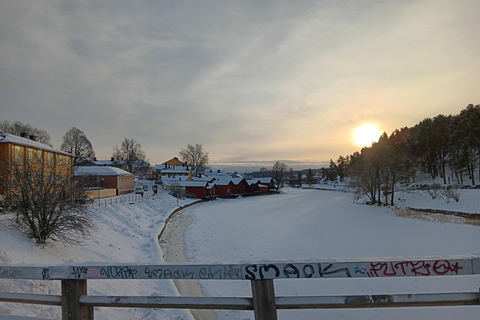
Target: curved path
172	243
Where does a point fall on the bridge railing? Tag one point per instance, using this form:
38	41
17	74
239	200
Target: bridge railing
76	304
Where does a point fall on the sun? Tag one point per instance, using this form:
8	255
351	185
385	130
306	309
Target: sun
366	134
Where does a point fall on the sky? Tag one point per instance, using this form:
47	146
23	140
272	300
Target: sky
252	82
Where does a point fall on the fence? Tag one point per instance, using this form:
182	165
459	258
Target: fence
76	304
128	198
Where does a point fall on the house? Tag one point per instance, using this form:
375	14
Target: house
225	186
239	186
212	190
105	177
172	168
174	162
196	189
33	155
260	185
140	168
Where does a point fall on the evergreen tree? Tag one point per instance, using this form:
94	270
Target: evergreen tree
310	179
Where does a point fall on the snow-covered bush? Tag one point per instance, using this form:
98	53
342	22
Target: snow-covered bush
434	190
454	193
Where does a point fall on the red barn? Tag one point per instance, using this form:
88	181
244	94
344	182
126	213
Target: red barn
239	186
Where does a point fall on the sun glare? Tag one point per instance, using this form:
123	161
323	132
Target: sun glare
366	134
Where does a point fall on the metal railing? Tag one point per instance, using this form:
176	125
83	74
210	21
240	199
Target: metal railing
127	198
76	304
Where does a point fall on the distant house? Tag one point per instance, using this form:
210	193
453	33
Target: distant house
211	183
141	168
260	185
105	177
174	162
172	168
36	156
196	189
225	187
239	185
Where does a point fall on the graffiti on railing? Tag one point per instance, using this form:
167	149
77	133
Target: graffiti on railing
45	274
290	270
123	272
10	273
198	272
271	270
415	268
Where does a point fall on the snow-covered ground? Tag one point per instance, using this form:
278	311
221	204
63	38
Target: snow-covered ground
295	225
126	233
312	225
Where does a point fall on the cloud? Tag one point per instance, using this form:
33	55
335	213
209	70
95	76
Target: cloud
249	81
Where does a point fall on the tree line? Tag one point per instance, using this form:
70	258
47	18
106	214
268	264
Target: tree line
445	147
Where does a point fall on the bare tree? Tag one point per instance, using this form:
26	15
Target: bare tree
434	190
454	193
18	128
195	156
76	142
279	171
263	172
43	202
130	152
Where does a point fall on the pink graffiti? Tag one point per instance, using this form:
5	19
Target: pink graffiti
94	273
415	268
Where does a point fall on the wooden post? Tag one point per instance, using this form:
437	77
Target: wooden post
263	293
72	290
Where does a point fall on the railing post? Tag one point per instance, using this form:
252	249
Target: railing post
263	294
72	290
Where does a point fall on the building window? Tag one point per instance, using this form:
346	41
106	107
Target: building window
30	155
18	154
49	158
60	160
39	156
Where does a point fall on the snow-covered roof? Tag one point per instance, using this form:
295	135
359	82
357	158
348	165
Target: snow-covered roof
174	170
202	178
265	180
10	138
236	181
222	181
101	171
184	183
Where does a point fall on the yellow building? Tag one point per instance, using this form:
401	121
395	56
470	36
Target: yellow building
173	163
34	157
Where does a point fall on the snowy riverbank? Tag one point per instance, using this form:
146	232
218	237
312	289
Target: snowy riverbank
295	225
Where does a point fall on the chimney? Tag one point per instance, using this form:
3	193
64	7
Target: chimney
33	137
112	159
23	134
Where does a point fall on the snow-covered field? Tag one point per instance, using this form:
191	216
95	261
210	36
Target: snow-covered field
127	233
295	225
325	225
